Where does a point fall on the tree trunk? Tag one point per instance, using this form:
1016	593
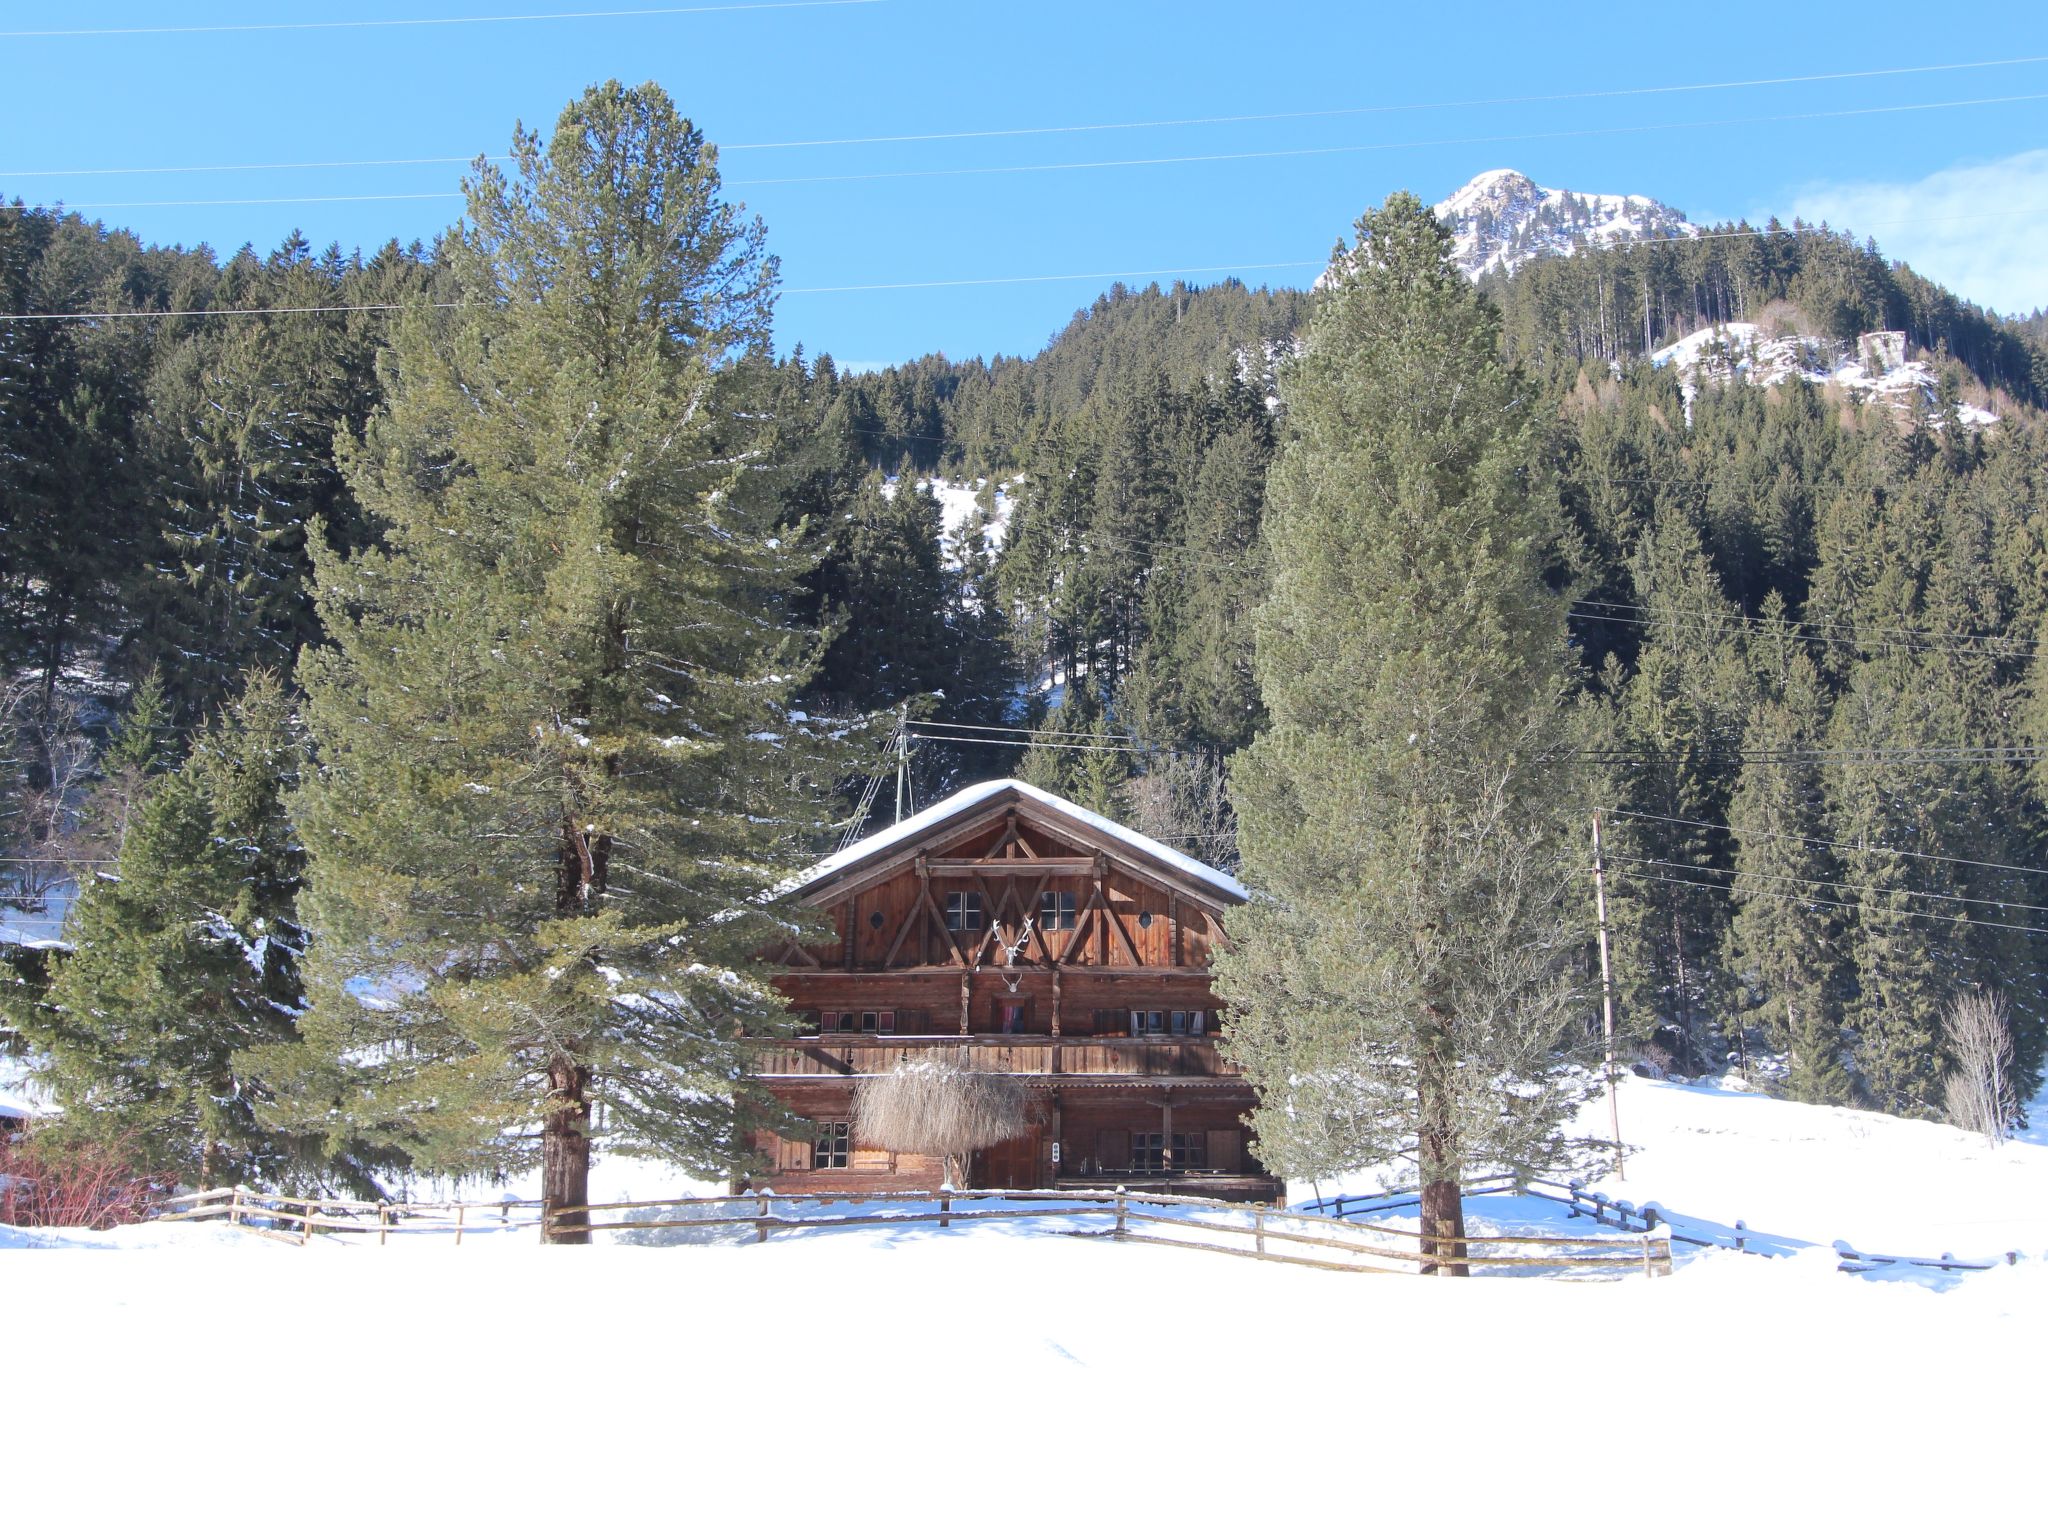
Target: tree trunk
565	1152
1694	1061
1443	1199
1443	1228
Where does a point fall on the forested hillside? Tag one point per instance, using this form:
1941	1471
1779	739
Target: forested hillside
1813	628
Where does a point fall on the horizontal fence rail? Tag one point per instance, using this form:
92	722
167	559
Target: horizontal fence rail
1118	1215
295	1219
1624	1216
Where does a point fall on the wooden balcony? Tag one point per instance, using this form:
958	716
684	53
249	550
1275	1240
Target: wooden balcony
1066	1056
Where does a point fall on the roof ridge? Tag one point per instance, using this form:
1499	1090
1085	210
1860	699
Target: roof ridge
990	789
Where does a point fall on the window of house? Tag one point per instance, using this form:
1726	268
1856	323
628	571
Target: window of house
833	1145
1149	1148
1056	910
1013	1018
963	912
1148	1021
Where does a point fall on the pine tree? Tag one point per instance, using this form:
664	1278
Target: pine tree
184	968
1403	980
557	771
1681	718
1784	944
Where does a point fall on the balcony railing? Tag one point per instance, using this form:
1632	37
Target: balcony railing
1023	1055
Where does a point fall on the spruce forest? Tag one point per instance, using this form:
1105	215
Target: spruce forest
1807	692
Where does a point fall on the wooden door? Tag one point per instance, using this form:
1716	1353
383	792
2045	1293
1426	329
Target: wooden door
1017	1164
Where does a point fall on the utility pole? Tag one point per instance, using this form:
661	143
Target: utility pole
902	758
1607	999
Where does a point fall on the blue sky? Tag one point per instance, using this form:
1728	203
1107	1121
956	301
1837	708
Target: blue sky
1962	191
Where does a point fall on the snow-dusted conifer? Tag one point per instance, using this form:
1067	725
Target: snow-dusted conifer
184	966
555	772
1402	987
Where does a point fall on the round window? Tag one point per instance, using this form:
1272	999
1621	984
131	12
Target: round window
1144	919
875	921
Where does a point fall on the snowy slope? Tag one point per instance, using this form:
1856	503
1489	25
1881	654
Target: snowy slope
898	1378
960	511
1502	219
1874	368
975	1380
1806	1175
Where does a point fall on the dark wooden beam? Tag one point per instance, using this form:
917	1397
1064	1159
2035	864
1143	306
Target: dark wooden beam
971	867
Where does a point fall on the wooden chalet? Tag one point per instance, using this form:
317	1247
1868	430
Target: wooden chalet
1019	933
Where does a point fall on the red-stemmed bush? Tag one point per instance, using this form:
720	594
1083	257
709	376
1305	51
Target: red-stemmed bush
51	1181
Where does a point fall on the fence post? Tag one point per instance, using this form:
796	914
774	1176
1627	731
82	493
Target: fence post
383	1221
305	1222
761	1222
1650	1217
945	1209
1741	1236
1649	1268
1120	1205
459	1209
1259	1229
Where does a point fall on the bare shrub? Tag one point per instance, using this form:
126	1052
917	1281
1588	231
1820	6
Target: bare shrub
1980	1092
933	1107
47	1182
1185	803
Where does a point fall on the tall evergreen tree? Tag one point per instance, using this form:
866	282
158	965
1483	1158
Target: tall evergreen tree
1404	978
185	966
1784	944
557	774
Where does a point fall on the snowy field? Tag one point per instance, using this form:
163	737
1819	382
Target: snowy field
980	1379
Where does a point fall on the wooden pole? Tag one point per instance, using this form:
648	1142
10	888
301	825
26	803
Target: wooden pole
1607	1000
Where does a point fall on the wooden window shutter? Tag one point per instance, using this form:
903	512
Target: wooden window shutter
1113	1149
796	1156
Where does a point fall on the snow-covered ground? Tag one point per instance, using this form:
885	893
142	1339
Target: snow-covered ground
960	511
985	1379
1875	368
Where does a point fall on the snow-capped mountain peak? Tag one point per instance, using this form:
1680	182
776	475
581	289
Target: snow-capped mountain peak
1502	219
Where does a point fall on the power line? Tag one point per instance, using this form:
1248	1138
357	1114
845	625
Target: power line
1842	885
224	314
1379	109
1162	160
1129	749
1624	757
1023	730
359	24
1352	149
349	309
1821	842
1852	906
1231	119
1820	630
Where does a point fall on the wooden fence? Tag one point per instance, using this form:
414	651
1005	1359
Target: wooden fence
1172	1221
294	1220
1626	1217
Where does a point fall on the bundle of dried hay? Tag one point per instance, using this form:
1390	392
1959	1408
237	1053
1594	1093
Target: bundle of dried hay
934	1107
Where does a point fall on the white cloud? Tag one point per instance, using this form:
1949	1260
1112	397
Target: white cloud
1979	230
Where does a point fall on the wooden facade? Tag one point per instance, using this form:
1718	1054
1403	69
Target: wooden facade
1017	933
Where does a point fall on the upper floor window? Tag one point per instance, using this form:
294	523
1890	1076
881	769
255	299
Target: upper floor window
1168	1021
869	1021
1056	910
963	912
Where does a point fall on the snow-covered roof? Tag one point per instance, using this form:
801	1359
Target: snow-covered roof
912	827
